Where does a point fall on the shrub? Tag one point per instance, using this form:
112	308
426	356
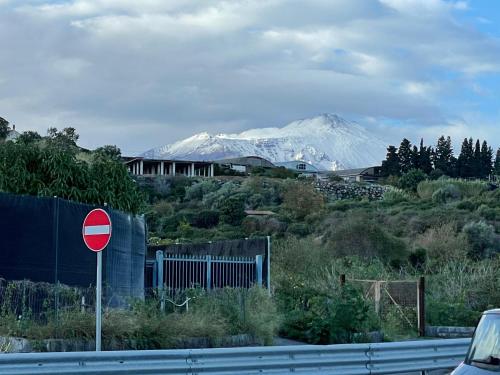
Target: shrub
440	313
301	199
206	219
467	189
200	189
232	210
443	243
446	194
395	195
482	239
411	179
358	235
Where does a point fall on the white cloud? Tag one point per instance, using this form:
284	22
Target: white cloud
215	64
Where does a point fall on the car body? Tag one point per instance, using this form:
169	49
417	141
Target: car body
483	357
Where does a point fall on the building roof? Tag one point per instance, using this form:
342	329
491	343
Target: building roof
12	135
259	213
251	161
294	163
353	172
129	159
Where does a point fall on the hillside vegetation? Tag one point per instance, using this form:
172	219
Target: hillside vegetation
445	229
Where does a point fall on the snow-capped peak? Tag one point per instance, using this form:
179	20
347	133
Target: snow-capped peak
326	141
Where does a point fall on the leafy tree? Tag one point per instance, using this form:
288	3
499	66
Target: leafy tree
110	151
55	171
496	168
405	156
29	137
232	210
390	166
411	179
68	137
4	128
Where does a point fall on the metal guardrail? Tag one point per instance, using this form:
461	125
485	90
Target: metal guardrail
355	359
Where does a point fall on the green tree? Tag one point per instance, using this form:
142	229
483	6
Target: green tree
68	137
390	166
4	128
443	156
476	161
411	179
232	210
55	171
415	158
466	159
110	151
425	158
496	168
486	160
405	156
29	137
301	199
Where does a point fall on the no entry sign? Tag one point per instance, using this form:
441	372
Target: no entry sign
96	230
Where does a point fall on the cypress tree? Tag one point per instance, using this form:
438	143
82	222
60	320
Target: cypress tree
443	156
496	168
424	157
476	161
486	160
415	158
391	166
466	158
405	155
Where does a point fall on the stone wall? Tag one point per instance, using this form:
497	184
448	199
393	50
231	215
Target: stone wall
341	190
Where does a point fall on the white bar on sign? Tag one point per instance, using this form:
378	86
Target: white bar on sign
96	229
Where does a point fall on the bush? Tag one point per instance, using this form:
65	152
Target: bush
358	235
330	318
482	239
299	229
443	243
446	194
232	210
301	199
468	189
411	179
206	219
440	313
200	189
395	195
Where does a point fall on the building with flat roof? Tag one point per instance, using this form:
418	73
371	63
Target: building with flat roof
139	166
299	166
368	174
244	164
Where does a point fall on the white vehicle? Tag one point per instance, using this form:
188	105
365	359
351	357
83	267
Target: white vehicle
483	357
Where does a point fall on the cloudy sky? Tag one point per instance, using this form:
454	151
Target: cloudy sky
144	73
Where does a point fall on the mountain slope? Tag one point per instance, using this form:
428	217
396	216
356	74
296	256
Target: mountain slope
327	141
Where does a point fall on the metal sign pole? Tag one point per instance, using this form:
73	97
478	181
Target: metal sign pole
98	303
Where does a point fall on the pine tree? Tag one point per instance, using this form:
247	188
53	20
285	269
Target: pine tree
466	159
404	154
496	168
486	160
391	166
424	158
443	156
415	158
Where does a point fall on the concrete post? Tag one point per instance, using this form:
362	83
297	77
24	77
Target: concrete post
141	168
192	170
173	168
162	167
211	168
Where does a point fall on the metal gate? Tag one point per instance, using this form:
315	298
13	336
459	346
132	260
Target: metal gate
177	272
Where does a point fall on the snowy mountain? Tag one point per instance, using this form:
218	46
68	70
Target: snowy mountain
327	141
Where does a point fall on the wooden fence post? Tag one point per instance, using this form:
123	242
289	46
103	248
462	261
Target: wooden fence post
421	306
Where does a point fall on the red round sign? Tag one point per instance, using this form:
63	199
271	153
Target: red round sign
96	230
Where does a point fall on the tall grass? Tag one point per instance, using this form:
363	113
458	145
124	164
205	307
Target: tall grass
467	189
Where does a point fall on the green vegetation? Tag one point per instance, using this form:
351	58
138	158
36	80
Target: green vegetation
55	166
143	325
